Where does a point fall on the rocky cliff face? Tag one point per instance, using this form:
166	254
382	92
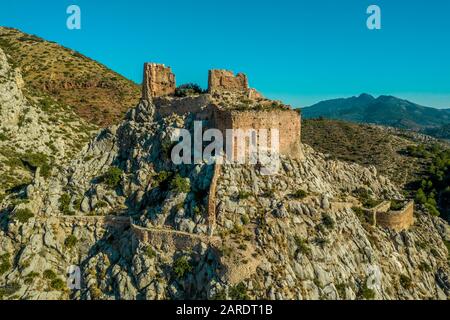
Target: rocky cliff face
137	225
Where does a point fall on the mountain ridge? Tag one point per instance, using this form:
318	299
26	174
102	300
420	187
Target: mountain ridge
384	110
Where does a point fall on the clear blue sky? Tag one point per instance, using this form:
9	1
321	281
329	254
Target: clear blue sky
299	51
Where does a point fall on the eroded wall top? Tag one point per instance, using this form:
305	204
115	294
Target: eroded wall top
158	81
226	81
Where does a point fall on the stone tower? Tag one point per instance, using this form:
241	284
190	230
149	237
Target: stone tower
158	81
224	80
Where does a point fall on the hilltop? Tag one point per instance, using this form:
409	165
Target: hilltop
384	110
141	227
96	93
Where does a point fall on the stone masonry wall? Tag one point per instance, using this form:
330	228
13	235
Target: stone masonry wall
212	198
175	240
224	80
288	123
397	220
158	81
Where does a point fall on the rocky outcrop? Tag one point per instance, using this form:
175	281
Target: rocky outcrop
140	227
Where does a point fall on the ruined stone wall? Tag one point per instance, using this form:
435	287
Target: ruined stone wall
288	123
181	106
171	239
371	213
224	80
397	220
158	81
212	198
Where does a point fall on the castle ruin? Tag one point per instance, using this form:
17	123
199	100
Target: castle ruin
245	108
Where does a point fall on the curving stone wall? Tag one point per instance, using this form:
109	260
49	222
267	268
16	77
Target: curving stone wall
397	220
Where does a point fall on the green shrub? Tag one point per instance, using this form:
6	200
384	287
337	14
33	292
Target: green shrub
188	89
321	242
242	195
5	263
3	137
101	204
370	202
180	184
245	219
405	281
367	293
112	177
424	267
300	194
397	205
64	204
341	287
49	274
432	209
327	221
70	241
23	215
149	252
57	284
302	245
239	292
161	179
181	267
37	160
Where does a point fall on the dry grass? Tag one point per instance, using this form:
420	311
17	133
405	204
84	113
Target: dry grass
365	145
96	93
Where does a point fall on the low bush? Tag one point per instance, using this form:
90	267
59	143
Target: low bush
112	177
302	245
64	204
70	241
239	292
188	89
405	281
181	267
49	274
180	184
300	194
23	215
327	221
5	263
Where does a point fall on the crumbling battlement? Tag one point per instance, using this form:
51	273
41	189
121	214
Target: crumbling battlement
226	81
397	220
158	81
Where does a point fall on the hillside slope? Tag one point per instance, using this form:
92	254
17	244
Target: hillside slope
97	94
34	132
139	227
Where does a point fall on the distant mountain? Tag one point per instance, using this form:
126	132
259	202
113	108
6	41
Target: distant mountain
442	132
384	110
